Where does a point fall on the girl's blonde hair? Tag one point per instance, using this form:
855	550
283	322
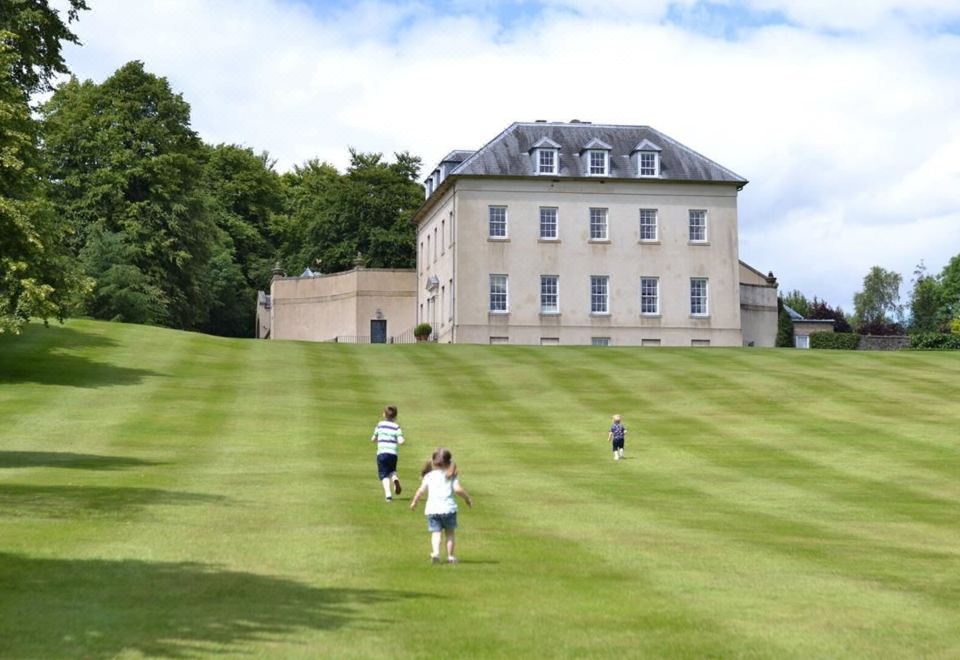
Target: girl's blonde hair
616	418
442	459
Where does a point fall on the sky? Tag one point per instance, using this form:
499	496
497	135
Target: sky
843	115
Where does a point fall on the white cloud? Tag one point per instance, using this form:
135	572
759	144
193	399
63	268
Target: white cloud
851	143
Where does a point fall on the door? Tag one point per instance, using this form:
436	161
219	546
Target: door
378	331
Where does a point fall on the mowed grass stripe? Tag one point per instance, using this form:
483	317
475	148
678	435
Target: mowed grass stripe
771	505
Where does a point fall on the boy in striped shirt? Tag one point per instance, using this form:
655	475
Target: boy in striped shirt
388	436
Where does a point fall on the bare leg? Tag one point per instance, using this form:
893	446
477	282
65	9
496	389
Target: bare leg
386	488
435	545
616	455
451	542
621	452
396	482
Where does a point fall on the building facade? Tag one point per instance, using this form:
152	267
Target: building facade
575	233
363	305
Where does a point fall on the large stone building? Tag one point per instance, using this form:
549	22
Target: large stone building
579	233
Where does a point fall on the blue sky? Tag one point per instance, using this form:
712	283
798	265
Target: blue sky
844	116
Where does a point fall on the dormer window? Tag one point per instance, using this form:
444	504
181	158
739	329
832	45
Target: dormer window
648	163
647	159
596	158
546	161
546	156
597	162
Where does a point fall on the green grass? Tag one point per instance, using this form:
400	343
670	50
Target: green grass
172	494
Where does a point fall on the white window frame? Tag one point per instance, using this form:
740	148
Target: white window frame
556	161
599	298
646	214
546	282
496	279
556	223
651	171
490	222
605	158
605	225
645	296
699	302
698	214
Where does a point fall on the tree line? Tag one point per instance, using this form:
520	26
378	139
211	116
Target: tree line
111	206
933	305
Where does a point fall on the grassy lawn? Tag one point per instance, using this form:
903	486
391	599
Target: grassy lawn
171	494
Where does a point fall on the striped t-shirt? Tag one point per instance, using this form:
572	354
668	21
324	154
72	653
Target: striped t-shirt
388	435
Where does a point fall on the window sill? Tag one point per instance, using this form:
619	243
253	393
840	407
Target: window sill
698	243
602	315
700	316
552	315
650	316
491	312
648	242
498	239
548	240
600	241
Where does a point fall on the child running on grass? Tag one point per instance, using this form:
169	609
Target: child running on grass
617	433
388	436
440	483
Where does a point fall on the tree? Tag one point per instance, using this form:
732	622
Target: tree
36	32
124	160
877	306
36	277
798	302
819	309
950	289
926	314
784	326
366	211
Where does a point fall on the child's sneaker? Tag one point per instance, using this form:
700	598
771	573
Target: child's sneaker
453	560
389	499
434	559
396	486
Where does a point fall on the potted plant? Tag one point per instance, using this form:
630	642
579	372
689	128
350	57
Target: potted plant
422	331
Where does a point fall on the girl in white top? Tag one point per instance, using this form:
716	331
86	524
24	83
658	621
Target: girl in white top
440	483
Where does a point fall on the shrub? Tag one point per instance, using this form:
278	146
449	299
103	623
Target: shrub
844	341
880	328
422	331
933	341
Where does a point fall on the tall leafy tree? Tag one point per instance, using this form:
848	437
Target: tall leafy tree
819	309
925	302
950	288
124	160
877	308
367	211
797	302
36	277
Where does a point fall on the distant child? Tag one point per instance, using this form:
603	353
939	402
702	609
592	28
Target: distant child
440	482
617	433
388	436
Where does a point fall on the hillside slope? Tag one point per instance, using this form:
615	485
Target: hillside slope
167	493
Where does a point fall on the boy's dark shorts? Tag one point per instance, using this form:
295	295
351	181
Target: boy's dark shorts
618	444
386	465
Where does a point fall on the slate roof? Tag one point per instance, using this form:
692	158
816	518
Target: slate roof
508	154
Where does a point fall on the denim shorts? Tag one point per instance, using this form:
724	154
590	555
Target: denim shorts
438	521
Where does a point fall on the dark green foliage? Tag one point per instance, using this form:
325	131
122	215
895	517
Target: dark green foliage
935	341
365	213
422	330
124	160
844	341
950	288
36	32
37	278
925	302
123	292
784	327
881	328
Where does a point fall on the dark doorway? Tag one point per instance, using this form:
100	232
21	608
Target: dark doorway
378	331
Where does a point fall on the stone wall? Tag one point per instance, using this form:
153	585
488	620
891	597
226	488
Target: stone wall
883	343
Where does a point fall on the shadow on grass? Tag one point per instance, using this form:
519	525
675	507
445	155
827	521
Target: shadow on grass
37	356
102	608
86	502
65	459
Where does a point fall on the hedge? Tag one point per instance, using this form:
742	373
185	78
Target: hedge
844	341
933	341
